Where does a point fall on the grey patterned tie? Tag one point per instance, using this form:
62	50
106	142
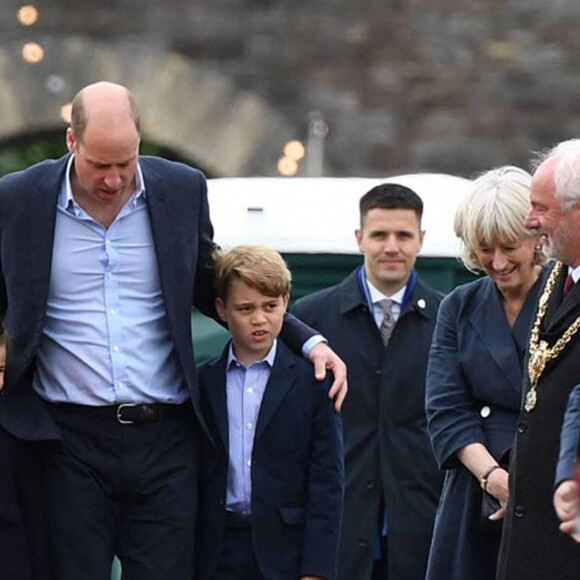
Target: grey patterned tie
388	323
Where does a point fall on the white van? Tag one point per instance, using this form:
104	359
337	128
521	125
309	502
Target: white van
318	215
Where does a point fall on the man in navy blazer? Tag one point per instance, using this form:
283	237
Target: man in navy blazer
102	254
389	464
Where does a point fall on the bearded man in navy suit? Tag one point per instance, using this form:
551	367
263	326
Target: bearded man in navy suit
102	255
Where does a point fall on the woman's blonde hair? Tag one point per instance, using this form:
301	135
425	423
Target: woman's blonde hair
494	210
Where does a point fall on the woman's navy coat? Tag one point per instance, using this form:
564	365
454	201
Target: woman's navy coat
473	395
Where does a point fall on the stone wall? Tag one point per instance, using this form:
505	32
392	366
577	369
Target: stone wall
402	85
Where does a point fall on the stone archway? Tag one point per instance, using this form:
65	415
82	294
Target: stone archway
192	109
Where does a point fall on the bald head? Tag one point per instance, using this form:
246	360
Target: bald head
107	104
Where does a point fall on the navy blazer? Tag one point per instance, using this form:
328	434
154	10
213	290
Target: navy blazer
474	385
177	202
178	209
474	377
297	472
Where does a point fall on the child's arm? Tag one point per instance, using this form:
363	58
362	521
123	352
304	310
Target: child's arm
325	491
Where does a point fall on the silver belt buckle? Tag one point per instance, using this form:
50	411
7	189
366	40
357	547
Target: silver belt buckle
119	409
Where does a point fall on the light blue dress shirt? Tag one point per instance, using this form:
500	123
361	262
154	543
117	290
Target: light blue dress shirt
244	389
106	339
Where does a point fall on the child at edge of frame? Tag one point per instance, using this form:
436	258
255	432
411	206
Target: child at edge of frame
23	545
272	483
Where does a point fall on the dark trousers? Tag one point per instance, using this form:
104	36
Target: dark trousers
237	559
125	490
23	542
381	566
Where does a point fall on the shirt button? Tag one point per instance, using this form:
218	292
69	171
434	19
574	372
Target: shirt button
116	348
249	390
109	275
485	412
249	463
249	426
519	511
113	311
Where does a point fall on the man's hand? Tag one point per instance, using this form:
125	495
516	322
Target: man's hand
567	505
323	358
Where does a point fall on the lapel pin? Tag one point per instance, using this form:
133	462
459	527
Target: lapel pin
421	303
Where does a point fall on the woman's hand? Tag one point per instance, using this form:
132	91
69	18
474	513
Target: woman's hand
478	460
498	486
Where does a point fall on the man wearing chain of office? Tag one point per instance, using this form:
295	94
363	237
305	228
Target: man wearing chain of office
532	545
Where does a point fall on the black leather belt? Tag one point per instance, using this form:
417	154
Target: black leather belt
124	413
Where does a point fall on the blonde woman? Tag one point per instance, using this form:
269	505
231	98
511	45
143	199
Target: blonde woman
475	369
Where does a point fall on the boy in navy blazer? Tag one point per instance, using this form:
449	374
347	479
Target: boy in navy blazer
271	494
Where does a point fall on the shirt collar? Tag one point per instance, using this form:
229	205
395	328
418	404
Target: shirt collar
268	359
377	295
575	273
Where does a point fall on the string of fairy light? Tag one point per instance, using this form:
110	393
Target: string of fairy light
33	53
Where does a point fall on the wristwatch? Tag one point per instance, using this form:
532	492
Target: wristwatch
483	478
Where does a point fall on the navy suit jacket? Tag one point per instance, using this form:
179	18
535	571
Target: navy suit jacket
176	198
476	361
297	472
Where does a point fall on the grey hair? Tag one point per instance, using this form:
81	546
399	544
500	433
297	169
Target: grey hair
567	171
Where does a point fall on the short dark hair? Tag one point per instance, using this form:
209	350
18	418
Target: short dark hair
390	196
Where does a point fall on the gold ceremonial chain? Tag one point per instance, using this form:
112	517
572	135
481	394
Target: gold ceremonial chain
541	354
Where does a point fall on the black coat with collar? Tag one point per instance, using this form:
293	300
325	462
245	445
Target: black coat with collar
388	454
532	547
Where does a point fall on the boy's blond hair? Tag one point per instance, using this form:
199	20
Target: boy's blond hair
258	266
